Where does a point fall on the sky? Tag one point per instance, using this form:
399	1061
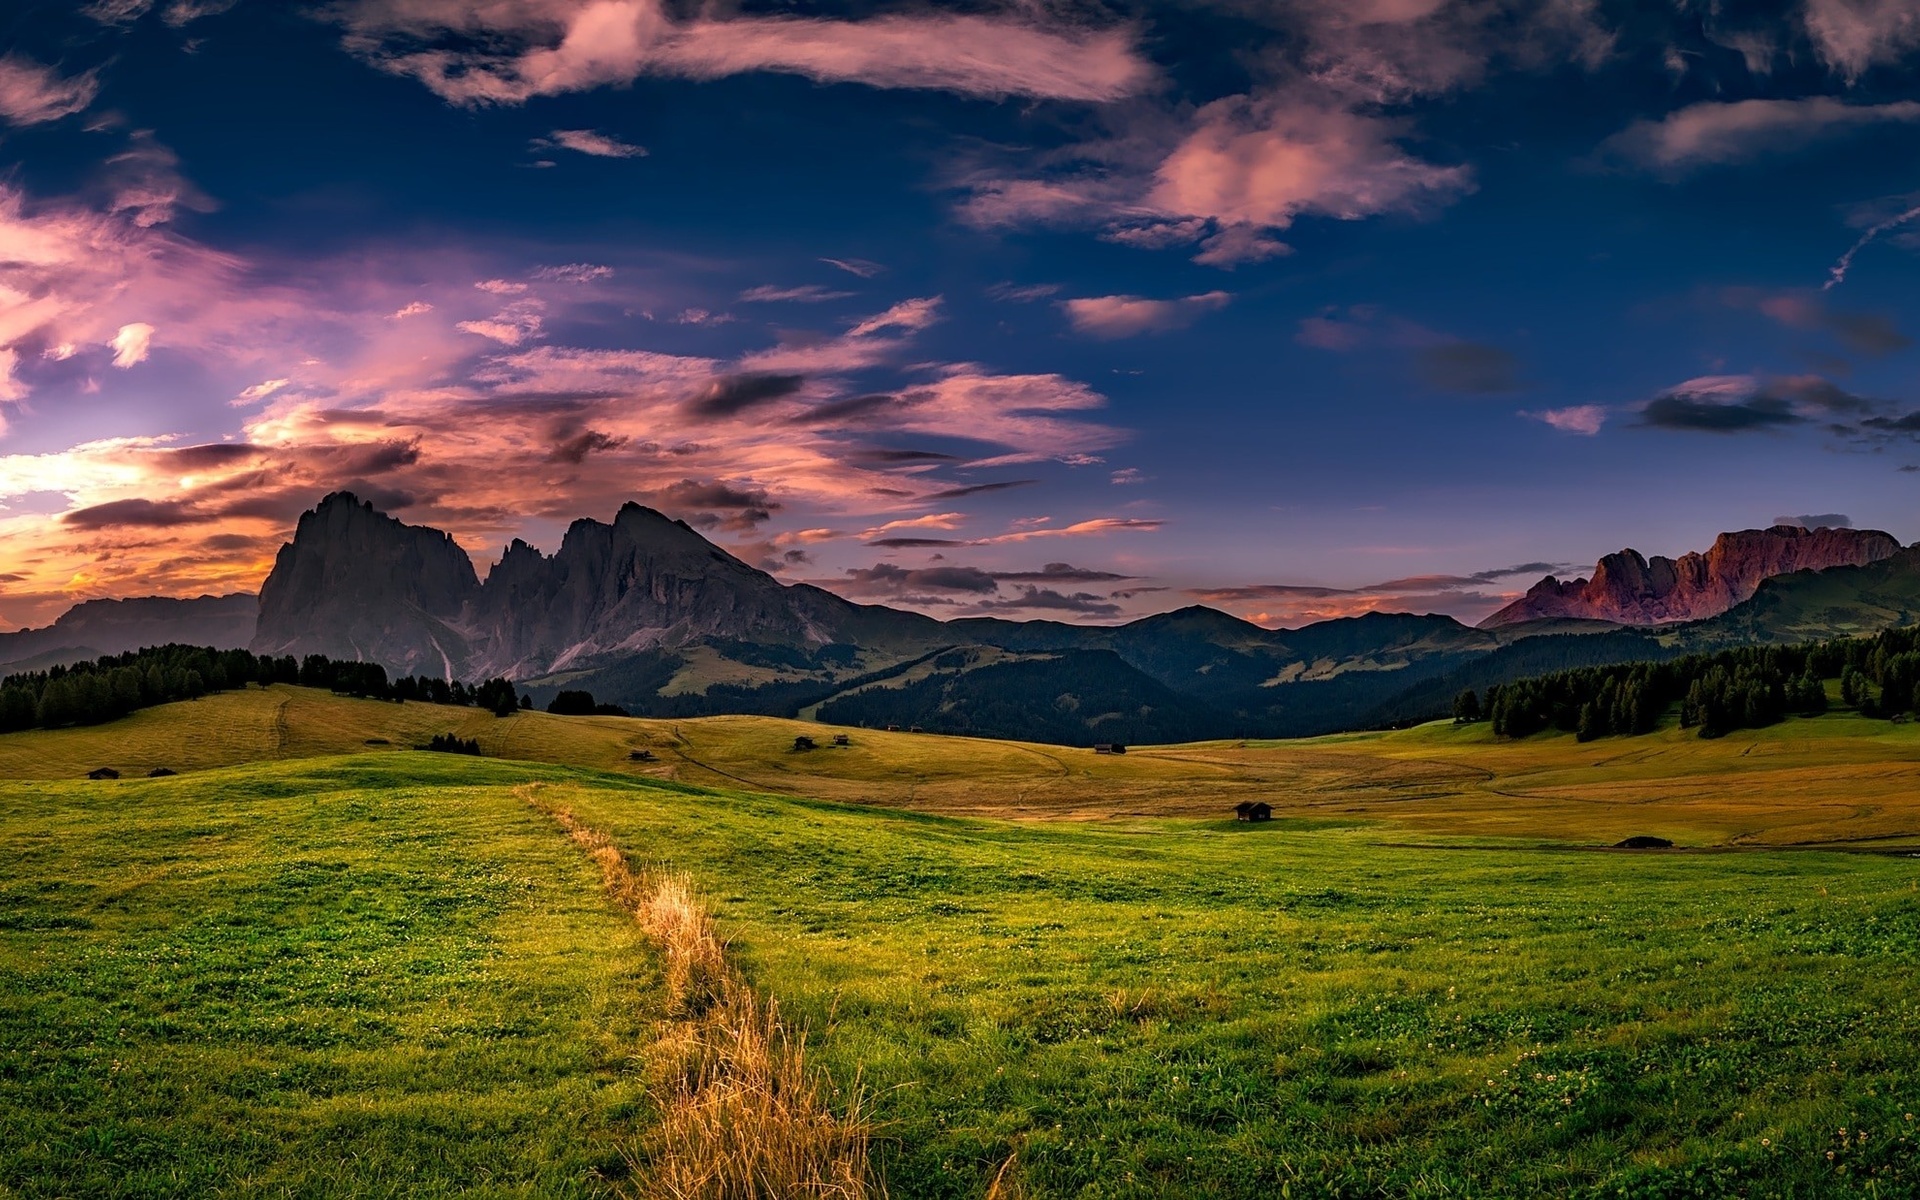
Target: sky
1080	310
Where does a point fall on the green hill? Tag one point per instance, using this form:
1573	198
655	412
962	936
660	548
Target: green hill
386	973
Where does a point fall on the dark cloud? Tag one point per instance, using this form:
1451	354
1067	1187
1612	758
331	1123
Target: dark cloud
576	448
217	454
1812	391
838	411
891	578
1872	334
740	509
1084	603
978	488
881	457
1817	521
731	394
1531	568
230	541
1471	367
1685	412
1868	333
1059	572
135	514
1910	423
378	458
915	543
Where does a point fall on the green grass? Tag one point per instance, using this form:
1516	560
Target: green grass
385	974
1200	1009
310	979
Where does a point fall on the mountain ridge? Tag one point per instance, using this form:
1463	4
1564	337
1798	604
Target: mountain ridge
1629	589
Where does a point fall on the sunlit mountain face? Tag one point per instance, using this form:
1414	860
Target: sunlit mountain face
1085	311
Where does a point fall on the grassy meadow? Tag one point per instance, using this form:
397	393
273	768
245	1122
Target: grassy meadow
309	966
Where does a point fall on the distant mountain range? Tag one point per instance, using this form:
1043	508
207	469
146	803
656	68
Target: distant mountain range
646	613
98	627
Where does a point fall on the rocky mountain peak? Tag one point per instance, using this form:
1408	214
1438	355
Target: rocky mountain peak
356	583
1630	589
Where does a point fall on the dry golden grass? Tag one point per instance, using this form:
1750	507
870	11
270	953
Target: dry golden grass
743	1117
1832	779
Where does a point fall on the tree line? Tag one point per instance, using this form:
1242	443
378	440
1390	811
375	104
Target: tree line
110	687
1745	688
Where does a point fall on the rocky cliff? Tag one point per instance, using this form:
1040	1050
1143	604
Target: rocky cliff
644	582
1632	590
355	583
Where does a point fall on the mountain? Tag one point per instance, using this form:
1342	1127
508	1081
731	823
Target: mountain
1808	605
1628	589
355	583
644	612
97	627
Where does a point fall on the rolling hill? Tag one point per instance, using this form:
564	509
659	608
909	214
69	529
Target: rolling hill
391	971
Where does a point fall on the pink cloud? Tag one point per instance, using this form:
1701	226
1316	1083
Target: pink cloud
518	322
1583	419
1095	527
443	401
910	316
551	47
31	94
1853	35
1127	316
588	142
1712	133
1263	164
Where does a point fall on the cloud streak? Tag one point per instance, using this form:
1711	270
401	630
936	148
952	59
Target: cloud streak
515	50
1715	133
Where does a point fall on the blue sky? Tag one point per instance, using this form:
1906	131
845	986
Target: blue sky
1297	308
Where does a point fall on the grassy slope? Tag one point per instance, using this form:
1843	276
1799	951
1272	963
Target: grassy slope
1203	1009
1138	1007
1831	779
313	978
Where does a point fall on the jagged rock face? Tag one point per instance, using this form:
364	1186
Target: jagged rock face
1632	590
355	583
641	583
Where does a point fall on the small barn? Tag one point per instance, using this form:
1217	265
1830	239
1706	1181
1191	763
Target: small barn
160	772
841	739
1253	810
1109	748
103	773
641	756
803	742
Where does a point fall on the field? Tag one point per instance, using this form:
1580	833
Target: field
309	966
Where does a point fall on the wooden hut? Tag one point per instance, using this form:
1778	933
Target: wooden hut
1253	810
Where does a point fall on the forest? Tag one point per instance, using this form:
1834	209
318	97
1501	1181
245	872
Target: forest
1746	688
107	688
